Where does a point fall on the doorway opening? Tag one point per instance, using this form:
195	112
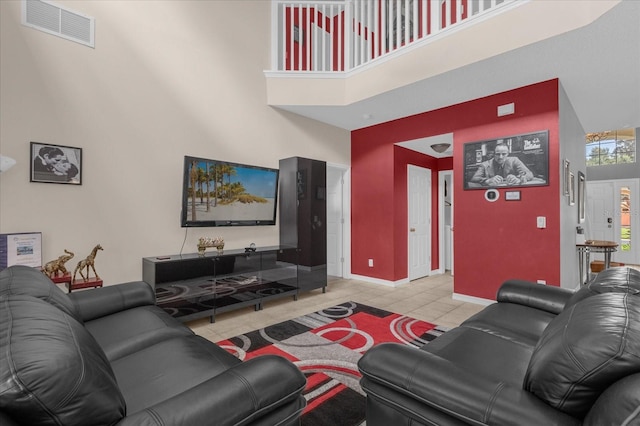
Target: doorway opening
338	221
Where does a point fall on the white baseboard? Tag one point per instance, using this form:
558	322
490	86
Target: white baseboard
379	281
472	299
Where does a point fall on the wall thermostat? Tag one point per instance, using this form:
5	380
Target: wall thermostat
491	195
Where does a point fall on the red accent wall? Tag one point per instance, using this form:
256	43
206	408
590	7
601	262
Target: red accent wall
492	241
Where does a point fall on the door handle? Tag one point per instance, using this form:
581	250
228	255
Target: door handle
412	229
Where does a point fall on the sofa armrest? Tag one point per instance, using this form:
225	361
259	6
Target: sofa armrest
103	301
259	387
547	298
439	384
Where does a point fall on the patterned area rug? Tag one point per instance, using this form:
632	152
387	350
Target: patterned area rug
326	346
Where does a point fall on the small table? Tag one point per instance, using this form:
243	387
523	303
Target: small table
84	283
595	246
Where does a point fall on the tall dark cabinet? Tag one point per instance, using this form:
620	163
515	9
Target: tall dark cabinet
303	217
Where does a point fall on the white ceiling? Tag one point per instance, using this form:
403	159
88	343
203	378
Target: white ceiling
598	67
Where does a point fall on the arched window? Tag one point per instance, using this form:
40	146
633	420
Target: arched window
611	147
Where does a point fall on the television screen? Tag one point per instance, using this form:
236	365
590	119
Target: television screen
219	193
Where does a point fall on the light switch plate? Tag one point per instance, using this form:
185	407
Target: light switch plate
542	222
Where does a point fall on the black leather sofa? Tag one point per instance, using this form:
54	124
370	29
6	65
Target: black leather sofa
110	356
539	356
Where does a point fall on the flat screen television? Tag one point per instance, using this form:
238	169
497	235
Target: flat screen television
219	193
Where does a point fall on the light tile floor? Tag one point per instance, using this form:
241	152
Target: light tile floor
428	299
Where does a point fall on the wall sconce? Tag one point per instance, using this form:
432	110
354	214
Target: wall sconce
440	147
6	163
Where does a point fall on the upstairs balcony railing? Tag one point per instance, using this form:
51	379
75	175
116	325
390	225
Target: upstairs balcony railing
342	35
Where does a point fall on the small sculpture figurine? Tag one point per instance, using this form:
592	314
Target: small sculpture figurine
86	263
56	267
204	243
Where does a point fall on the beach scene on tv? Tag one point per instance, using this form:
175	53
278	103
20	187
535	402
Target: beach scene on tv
230	192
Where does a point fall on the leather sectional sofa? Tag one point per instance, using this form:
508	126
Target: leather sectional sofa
110	356
539	356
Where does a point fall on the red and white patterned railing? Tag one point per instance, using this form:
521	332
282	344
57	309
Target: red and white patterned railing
341	35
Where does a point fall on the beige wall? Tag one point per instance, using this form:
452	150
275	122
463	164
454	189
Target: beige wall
166	79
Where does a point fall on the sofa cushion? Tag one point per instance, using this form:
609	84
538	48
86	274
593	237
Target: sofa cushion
612	280
618	405
484	353
20	279
169	368
584	350
511	321
55	372
131	330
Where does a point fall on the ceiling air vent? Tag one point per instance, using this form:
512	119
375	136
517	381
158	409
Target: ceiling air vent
58	20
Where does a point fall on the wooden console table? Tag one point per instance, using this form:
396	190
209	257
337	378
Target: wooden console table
593	246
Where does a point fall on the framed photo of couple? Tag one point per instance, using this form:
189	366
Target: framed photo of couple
508	162
56	164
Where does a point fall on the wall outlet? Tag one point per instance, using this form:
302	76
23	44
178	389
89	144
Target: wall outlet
370	263
543	282
541	222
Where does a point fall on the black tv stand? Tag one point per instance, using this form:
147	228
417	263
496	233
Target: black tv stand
191	286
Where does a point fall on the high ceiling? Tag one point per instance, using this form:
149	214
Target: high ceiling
598	67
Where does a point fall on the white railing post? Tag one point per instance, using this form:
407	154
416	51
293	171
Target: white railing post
307	41
415	18
348	30
423	18
435	16
275	35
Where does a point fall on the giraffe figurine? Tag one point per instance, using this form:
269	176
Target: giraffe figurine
87	262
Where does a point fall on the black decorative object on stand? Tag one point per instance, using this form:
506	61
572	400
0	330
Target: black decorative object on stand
303	217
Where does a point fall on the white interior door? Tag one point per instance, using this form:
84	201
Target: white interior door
335	222
599	213
419	203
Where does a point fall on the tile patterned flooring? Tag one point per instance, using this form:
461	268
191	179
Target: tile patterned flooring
428	299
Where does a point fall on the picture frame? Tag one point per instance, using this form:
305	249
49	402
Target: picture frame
512	195
55	164
526	163
572	189
582	197
566	184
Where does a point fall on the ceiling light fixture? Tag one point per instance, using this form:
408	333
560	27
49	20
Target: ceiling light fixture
440	147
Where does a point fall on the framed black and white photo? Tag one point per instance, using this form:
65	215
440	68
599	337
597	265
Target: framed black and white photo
511	161
565	176
56	164
582	202
572	189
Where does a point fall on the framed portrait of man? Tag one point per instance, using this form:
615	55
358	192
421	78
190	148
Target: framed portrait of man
509	162
56	164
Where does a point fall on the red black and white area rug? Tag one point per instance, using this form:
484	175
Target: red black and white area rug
326	346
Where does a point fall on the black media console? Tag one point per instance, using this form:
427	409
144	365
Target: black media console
191	286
